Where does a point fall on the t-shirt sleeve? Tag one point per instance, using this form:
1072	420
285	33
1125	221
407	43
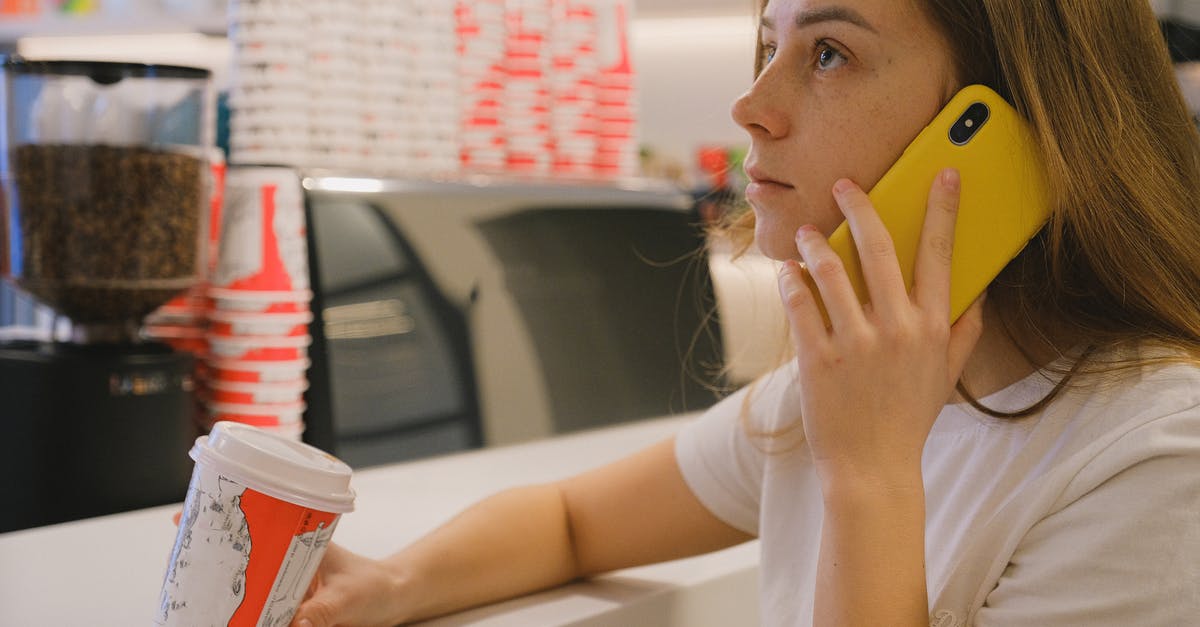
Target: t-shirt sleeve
1124	549
722	455
719	465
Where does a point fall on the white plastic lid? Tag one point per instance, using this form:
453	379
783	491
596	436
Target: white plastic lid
276	466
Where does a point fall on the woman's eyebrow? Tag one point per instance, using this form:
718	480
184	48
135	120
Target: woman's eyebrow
824	14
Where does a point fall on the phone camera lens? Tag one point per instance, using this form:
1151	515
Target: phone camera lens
969	123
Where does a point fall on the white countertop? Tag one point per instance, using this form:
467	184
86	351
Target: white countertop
107	571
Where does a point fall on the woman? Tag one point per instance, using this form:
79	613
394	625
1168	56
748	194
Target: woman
1059	485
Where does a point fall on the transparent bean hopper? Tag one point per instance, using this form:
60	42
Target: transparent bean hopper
104	172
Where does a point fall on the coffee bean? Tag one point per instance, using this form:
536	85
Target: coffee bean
108	233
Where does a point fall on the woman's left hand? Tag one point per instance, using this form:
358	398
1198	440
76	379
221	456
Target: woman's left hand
874	381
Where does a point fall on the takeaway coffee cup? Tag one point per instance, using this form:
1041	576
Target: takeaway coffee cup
259	514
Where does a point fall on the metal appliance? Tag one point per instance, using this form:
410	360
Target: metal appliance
454	315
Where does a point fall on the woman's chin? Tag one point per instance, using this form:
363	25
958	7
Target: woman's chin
775	241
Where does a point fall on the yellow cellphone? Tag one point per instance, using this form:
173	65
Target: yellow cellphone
1003	204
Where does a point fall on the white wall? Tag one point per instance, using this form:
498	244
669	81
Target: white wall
689	71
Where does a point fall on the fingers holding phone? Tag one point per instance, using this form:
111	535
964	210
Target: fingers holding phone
872	383
931	275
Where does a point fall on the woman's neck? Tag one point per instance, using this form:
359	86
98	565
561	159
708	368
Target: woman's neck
997	362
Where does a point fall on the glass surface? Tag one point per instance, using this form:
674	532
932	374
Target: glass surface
104	172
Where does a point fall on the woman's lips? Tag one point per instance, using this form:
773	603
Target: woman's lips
756	173
763	189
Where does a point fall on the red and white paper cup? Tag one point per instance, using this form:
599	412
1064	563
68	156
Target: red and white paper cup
260	301
260	415
263	243
256	393
258	348
228	323
259	515
257	371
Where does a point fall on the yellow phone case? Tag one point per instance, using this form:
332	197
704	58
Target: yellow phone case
1003	204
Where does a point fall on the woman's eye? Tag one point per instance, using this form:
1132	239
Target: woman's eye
828	57
768	53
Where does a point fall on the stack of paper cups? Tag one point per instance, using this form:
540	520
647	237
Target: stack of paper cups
258	329
616	149
527	92
336	91
268	120
428	88
480	28
433	115
389	105
572	82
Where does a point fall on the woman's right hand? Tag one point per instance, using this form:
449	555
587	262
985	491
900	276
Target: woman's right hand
350	590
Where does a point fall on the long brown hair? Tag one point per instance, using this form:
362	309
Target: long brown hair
1118	265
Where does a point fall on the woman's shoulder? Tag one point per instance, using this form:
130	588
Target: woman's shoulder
1100	422
1160	386
1150	412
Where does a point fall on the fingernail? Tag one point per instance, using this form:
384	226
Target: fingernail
951	179
304	622
805	230
843	186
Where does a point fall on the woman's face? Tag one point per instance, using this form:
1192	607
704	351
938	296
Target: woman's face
846	85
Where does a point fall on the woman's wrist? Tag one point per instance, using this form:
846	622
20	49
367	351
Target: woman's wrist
871	564
404	598
870	487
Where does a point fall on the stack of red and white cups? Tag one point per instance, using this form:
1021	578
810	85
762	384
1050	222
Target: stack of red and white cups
572	82
616	108
431	88
481	52
527	90
258	327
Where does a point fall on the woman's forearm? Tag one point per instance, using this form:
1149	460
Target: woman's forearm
509	544
871	569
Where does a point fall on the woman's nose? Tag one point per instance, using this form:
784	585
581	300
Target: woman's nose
760	110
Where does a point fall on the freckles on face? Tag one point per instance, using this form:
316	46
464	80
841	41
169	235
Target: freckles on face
846	86
822	154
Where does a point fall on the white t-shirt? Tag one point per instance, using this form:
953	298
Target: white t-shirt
1088	514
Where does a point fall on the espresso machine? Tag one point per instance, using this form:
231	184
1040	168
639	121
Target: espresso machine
103	168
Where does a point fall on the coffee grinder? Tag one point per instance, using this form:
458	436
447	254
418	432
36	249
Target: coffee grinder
104	173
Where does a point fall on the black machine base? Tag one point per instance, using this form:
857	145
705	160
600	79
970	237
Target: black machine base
91	430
